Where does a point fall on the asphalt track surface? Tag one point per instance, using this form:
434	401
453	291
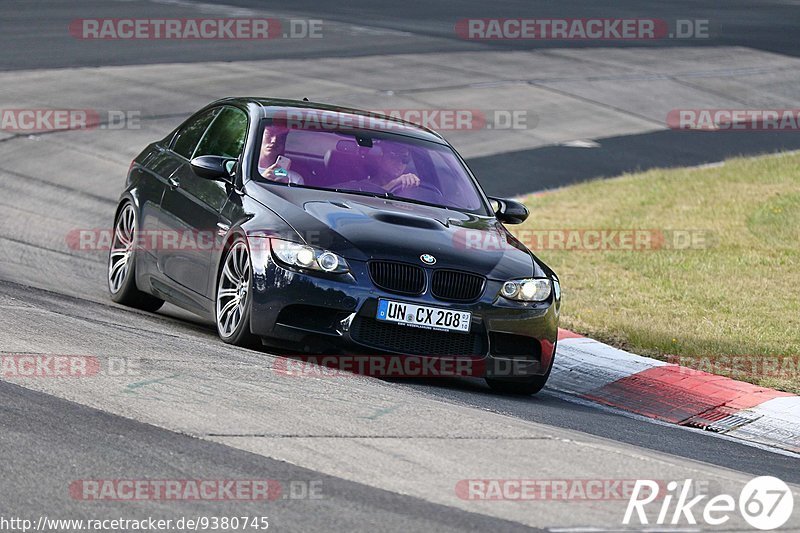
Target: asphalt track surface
33	36
387	453
68	437
35	29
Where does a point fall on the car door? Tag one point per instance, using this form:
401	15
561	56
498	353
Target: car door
191	205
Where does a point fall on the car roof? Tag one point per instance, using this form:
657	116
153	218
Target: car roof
367	120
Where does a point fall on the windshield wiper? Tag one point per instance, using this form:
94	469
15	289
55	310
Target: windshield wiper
364	193
391	196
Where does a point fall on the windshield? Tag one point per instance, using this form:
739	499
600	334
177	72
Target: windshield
367	162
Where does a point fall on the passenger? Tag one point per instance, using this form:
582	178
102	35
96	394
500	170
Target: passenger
271	163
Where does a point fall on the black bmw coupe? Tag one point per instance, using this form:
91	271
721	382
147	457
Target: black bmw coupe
318	229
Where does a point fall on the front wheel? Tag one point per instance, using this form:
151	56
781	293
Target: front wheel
234	297
122	261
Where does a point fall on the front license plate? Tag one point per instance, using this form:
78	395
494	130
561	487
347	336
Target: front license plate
422	316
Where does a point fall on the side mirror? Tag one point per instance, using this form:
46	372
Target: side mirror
509	211
214	167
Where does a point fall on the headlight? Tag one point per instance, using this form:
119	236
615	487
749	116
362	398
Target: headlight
527	290
303	256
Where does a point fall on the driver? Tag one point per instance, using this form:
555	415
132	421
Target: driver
390	170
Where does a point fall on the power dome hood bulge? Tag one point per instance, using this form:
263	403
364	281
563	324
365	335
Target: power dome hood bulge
361	228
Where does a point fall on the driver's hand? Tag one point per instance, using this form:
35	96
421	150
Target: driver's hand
404	181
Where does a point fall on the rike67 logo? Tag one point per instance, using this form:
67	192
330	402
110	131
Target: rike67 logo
765	503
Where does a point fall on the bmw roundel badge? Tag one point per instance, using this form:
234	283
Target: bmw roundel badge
428	259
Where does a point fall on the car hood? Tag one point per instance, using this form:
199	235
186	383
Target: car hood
363	228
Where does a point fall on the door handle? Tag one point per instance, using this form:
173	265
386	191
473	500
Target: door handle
173	183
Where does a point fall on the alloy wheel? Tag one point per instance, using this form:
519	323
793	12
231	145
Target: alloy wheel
234	289
122	248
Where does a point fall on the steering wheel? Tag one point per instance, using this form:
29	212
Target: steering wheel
426	186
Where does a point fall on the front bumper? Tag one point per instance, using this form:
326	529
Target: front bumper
323	314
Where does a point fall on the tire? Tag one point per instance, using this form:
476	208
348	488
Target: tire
121	275
522	387
233	299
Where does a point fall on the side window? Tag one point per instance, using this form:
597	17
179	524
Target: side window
187	138
226	135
